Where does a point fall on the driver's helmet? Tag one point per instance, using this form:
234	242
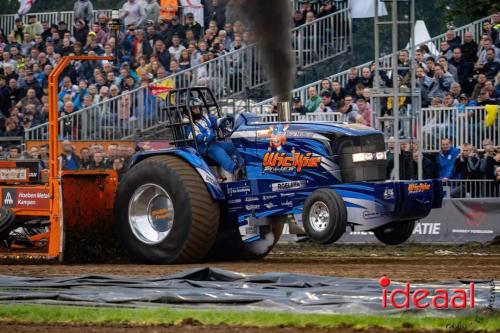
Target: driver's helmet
196	106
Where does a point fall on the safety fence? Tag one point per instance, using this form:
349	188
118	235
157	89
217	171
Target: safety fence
7	21
472	188
461	125
475	27
231	74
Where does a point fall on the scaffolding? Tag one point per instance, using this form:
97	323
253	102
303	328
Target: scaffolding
399	121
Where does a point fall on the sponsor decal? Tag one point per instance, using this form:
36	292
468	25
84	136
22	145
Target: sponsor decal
270	205
427	228
475	216
250	199
269	197
252	207
276	160
388	193
287	195
422	298
242	189
8	201
234	201
287	203
25	198
373	215
417	188
288	185
288	163
15	174
234	209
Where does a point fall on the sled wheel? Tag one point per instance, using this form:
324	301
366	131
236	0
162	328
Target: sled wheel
230	246
395	233
324	216
165	213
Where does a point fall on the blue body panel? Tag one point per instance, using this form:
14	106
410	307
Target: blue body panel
286	162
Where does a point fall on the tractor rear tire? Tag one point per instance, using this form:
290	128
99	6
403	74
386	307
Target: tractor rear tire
324	216
395	233
229	245
7	222
165	213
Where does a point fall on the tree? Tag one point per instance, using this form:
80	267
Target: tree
464	11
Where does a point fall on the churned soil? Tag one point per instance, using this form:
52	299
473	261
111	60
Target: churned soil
192	326
408	263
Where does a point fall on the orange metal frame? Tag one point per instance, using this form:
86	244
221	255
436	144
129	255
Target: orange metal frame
55	244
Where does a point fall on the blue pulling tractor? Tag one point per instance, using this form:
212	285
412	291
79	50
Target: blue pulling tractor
172	206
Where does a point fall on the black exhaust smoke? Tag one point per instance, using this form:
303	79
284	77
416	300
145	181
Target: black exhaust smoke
270	22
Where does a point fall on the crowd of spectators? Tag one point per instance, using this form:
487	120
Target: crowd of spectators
93	157
149	46
460	74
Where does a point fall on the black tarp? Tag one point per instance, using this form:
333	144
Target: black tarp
215	288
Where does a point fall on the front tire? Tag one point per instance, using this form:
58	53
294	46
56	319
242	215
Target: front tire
395	233
165	213
324	216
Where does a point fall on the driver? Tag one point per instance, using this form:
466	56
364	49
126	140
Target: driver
205	127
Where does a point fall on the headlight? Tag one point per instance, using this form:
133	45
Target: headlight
363	157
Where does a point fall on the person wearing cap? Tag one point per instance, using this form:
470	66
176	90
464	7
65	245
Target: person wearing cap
326	8
62	28
31	83
191	24
152	10
133	12
175	28
19	29
83	10
33	27
298	107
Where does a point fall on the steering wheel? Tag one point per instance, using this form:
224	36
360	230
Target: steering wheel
226	125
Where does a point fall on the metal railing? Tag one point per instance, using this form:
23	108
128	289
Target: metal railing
474	27
461	125
339	5
7	21
471	188
228	75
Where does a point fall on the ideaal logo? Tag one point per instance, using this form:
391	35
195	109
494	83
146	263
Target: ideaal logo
422	298
420	187
280	161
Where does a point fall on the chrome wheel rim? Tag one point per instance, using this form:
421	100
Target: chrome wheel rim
319	216
151	214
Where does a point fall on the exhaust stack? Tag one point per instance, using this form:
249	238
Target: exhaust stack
284	114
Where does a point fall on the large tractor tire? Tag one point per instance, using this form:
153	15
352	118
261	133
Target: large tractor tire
324	216
395	233
230	246
7	222
165	213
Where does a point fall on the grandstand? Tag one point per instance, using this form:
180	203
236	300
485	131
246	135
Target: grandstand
114	101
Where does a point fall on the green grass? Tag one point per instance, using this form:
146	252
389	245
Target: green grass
87	315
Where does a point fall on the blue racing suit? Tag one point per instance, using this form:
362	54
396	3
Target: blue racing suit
206	138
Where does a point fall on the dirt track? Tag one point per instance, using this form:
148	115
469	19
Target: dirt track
413	263
193	327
